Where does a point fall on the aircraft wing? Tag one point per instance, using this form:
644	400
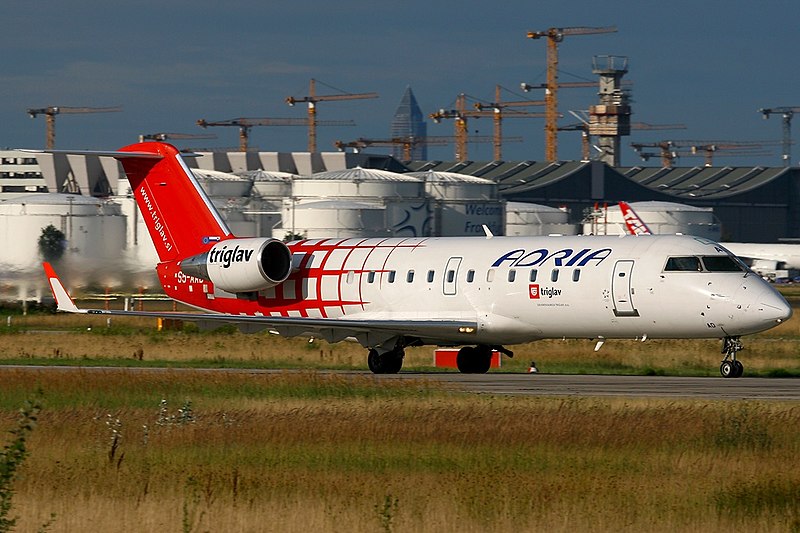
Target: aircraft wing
367	331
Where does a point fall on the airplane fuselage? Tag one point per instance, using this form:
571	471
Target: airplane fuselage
515	289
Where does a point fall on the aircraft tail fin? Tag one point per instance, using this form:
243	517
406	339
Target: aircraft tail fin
63	300
180	217
633	223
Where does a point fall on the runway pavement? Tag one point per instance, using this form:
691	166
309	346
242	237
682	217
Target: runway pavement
717	388
712	388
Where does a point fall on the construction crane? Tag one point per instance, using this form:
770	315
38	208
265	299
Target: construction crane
786	114
555	36
161	137
461	115
409	142
50	116
244	125
497	108
669	151
312	100
583	126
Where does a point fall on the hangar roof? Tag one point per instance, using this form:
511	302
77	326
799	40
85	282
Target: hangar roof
703	182
699	183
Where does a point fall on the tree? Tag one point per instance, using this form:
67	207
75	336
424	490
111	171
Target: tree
52	243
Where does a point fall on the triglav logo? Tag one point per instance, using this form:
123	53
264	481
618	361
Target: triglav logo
535	293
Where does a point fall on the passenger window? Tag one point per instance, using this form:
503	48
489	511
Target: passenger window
534	272
470	276
683	264
430	276
371	277
576	274
512	275
451	276
490	275
391	276
410	276
350	276
554	275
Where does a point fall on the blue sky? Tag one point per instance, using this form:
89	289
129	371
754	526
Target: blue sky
709	65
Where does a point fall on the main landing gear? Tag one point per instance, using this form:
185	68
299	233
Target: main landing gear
478	359
387	362
730	366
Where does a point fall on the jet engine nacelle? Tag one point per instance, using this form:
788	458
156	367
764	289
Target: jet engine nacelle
242	265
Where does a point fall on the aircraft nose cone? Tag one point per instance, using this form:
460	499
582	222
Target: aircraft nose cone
773	307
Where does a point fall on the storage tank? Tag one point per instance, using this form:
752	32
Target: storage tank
400	196
462	204
222	184
269	191
93	250
320	219
666	218
525	219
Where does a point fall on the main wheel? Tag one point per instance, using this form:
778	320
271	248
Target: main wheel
474	359
392	363
465	360
738	369
374	362
387	363
727	369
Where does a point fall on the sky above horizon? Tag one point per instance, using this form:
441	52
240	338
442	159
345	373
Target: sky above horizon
708	65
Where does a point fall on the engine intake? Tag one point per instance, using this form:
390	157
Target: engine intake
242	265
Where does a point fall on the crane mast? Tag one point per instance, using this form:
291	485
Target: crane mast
555	36
786	113
50	118
245	124
312	100
495	110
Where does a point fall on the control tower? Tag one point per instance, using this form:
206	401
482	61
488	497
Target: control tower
611	118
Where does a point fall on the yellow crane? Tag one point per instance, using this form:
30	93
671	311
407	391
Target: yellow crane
460	115
50	117
312	100
244	125
786	113
409	142
163	136
583	127
555	36
669	151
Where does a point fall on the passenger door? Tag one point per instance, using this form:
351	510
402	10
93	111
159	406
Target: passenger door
621	289
450	282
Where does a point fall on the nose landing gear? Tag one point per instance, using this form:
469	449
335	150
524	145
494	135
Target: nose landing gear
730	366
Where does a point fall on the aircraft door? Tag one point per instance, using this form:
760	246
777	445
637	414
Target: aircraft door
621	290
451	276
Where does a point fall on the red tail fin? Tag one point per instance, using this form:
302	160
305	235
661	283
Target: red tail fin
181	219
635	225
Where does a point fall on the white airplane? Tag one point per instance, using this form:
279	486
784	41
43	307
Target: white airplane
759	257
474	292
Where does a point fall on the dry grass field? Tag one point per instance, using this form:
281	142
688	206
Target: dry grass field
71	339
182	451
187	451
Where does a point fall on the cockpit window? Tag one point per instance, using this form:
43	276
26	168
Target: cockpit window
706	263
683	264
721	263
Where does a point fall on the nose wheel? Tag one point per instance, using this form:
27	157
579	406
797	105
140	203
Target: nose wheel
730	366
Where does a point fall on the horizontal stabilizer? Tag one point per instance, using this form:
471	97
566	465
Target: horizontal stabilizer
101	153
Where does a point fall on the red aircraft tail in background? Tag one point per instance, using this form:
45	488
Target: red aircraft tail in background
635	225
